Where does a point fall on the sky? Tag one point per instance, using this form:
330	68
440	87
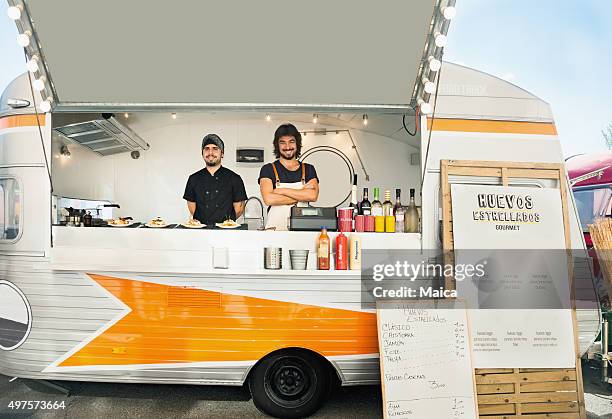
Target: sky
559	50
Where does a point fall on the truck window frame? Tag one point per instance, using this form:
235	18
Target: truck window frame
3	203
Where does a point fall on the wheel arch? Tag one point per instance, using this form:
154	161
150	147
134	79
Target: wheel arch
329	365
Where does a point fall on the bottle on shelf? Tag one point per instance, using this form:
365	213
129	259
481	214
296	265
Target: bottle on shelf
399	212
354	252
411	218
377	208
387	205
341	252
365	208
354	196
323	250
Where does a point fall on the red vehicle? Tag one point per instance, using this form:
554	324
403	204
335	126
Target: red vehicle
591	180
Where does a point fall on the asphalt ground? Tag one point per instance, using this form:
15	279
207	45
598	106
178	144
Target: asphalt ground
108	400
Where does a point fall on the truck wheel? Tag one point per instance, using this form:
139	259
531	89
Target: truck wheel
289	384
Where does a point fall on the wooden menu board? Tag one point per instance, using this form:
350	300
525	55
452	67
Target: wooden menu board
425	361
514	392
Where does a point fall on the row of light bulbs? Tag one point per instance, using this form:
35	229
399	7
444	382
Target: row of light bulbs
433	63
33	64
315	117
23	39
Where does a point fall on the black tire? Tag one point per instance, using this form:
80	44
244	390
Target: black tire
289	384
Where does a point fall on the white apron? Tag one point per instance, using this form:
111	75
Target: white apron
278	216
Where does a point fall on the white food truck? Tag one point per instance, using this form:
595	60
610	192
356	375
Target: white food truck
111	122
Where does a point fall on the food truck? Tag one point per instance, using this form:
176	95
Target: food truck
110	125
592	188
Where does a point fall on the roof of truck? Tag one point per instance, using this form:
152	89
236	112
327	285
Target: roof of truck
597	164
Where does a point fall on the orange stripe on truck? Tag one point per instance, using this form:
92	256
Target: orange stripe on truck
15	121
498	127
169	325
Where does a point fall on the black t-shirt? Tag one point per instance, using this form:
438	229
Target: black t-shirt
215	195
287	176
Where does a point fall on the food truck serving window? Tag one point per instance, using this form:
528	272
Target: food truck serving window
10	209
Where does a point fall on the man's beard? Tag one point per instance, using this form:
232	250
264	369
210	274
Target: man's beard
213	162
289	155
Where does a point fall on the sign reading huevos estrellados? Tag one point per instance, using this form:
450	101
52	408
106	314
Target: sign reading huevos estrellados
523	318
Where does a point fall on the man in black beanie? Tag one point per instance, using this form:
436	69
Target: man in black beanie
215	193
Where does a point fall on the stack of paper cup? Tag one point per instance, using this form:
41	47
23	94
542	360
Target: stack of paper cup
360	223
298	259
370	223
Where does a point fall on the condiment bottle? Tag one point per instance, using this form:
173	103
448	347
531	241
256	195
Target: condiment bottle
87	219
323	250
355	252
341	252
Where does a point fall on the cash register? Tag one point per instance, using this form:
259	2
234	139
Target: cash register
313	218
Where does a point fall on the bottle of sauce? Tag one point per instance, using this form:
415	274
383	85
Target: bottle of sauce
341	252
88	219
323	250
411	218
355	252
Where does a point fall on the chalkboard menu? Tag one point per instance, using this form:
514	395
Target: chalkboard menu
425	362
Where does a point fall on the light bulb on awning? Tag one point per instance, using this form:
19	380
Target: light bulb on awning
449	12
428	86
434	63
268	117
440	40
126	115
424	107
39	84
173	115
365	119
315	118
45	105
23	39
14	12
32	64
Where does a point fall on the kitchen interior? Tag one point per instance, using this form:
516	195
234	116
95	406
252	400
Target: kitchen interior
129	169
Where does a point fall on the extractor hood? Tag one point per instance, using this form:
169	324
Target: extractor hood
104	135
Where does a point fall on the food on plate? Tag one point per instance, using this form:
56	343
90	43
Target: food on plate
123	221
193	223
158	222
228	224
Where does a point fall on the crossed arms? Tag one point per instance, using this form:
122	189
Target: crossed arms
287	196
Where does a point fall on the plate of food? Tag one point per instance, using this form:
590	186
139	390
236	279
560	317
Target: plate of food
121	222
228	224
157	223
193	223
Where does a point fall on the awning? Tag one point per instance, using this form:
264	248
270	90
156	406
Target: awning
302	55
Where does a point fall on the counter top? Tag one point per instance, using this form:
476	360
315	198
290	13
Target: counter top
168	250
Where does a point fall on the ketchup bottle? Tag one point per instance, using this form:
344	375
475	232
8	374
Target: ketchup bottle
341	252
